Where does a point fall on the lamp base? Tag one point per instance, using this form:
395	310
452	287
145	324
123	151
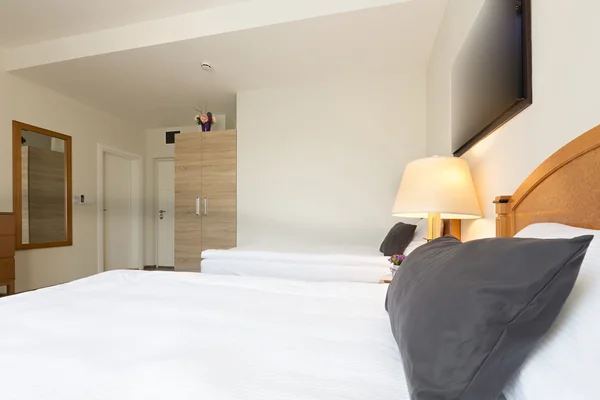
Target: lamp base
434	226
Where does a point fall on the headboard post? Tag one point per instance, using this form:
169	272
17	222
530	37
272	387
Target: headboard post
503	223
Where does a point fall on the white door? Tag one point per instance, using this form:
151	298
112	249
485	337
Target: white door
118	244
165	213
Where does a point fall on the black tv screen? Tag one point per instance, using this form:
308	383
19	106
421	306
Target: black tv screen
491	76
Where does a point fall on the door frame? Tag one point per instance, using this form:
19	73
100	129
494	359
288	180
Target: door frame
137	176
158	160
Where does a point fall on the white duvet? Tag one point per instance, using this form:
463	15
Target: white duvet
331	255
302	271
163	335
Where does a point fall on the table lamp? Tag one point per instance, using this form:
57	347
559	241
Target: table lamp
437	188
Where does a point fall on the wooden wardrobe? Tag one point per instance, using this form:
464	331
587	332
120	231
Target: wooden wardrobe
205	195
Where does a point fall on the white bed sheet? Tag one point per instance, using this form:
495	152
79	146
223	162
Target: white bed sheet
302	271
336	255
163	335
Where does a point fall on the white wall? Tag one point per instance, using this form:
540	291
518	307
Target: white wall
566	84
156	148
26	102
321	163
458	19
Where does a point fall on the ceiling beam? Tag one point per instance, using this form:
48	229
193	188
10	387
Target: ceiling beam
245	15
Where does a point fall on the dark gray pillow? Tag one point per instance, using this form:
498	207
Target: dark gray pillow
397	239
466	316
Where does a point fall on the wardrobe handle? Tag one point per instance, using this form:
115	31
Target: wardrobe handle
197	205
206	206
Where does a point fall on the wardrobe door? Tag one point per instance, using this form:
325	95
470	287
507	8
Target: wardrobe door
188	195
219	189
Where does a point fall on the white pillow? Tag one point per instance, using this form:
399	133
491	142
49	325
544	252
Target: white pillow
565	364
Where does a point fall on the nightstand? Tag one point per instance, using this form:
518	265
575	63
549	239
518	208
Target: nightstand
386	279
7	252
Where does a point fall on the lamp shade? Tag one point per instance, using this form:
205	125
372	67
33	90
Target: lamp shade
437	185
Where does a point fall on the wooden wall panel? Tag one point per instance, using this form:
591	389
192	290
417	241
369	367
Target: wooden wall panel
25	194
46	195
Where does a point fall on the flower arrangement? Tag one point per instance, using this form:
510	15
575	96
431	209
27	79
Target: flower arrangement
205	120
396	260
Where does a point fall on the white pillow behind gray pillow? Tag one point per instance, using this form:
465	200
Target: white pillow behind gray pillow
565	364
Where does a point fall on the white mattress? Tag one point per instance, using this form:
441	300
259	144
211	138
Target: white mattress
163	335
303	271
336	255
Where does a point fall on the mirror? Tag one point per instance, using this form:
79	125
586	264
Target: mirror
42	187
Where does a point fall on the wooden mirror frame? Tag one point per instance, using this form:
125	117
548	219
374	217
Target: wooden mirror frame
17	187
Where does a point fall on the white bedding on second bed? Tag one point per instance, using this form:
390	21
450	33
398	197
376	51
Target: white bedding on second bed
163	335
302	271
336	255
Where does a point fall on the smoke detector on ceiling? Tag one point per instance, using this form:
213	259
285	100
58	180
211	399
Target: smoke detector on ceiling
206	66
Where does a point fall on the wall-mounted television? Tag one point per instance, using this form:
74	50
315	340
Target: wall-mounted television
491	76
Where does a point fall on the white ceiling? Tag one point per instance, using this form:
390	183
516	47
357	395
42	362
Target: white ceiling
30	21
158	86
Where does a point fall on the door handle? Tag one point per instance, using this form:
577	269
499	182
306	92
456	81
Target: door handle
206	206
197	205
161	214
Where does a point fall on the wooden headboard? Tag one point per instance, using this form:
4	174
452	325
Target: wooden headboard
563	189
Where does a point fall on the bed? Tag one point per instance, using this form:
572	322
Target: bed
164	335
328	255
558	200
314	263
156	335
303	271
